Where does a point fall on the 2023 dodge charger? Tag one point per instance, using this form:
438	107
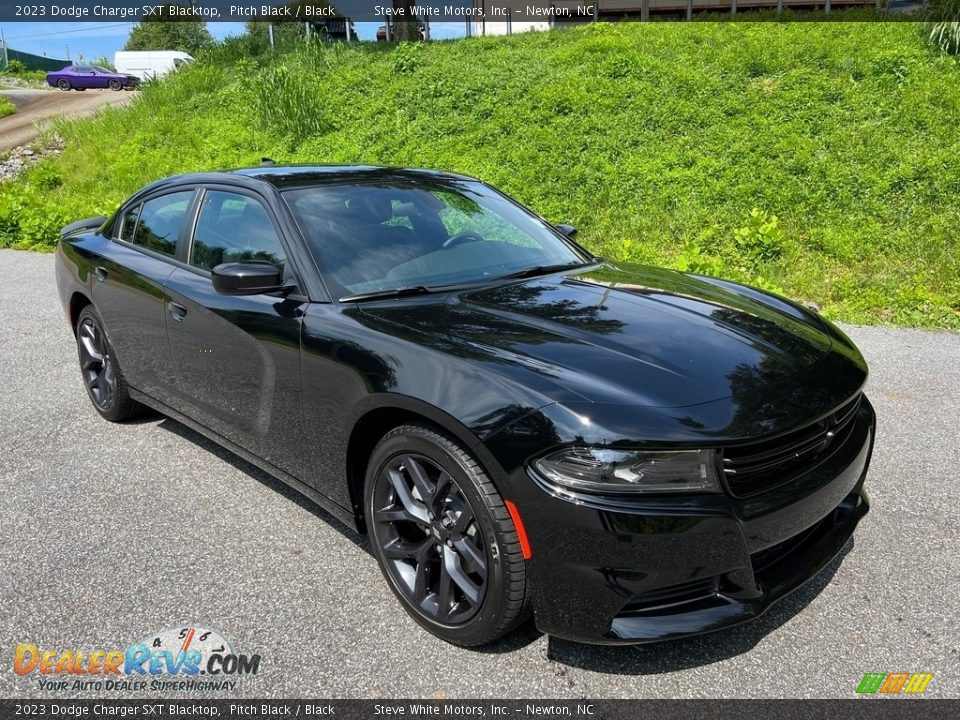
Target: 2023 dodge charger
520	426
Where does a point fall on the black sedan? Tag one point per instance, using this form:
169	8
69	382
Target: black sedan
521	427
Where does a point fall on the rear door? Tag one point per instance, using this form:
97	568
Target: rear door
127	288
237	359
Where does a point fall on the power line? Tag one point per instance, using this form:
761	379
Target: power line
66	32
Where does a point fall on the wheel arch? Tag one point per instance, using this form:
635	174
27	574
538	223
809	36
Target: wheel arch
378	415
78	301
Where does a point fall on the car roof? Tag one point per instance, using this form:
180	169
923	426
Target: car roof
284	177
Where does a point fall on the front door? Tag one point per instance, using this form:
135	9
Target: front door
237	358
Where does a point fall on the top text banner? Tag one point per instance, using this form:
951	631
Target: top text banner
546	12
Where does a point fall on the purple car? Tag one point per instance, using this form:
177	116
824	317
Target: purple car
81	77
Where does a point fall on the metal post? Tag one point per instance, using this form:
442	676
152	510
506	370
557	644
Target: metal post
644	10
690	10
779	6
6	57
826	8
269	30
426	28
733	7
306	30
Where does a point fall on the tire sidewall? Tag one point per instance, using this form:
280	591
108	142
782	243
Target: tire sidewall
115	85
63	84
475	630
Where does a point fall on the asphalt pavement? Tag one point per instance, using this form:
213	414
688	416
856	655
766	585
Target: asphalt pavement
112	532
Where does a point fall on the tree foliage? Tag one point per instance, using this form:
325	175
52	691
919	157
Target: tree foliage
159	33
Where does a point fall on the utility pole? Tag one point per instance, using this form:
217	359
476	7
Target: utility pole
6	57
68	53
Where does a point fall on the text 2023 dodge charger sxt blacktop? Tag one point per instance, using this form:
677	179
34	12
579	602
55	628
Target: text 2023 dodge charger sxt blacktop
520	426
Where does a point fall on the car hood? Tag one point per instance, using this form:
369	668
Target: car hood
650	337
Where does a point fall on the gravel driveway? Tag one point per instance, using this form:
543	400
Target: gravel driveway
111	532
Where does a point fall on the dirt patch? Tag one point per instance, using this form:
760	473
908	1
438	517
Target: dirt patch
36	108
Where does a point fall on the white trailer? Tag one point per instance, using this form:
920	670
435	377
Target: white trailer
149	64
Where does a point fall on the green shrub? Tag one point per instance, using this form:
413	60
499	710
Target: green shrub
15	67
6	107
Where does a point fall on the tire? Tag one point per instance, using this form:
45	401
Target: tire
63	84
101	374
115	85
450	552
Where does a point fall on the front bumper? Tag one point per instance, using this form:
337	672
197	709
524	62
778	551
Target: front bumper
643	571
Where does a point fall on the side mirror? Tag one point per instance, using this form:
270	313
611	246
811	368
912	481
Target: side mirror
247	278
569	230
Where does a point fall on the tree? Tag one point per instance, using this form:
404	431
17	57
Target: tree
157	32
282	31
406	29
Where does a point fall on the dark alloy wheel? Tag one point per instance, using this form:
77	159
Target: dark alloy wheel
100	371
443	537
430	538
63	84
115	84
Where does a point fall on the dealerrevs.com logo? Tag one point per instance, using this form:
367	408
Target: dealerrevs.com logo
188	658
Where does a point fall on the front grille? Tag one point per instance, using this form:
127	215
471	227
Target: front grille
752	469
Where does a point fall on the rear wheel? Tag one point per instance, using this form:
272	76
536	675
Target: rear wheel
63	84
444	538
115	85
101	373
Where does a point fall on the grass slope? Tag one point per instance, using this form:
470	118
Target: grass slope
6	107
818	159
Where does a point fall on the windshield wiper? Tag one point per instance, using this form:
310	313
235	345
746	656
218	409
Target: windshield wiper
395	292
544	269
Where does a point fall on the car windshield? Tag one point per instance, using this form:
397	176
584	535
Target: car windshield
376	237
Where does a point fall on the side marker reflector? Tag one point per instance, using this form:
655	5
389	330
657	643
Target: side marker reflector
521	531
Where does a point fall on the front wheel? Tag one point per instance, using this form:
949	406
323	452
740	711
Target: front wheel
443	537
115	85
101	373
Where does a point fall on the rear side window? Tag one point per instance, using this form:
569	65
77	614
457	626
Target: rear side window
158	227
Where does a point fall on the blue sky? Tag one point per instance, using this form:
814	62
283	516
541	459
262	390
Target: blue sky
94	40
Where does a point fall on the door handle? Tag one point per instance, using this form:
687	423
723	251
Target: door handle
177	311
100	272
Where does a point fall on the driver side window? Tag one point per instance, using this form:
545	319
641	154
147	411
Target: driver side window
234	228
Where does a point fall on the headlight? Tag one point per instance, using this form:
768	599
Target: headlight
601	470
